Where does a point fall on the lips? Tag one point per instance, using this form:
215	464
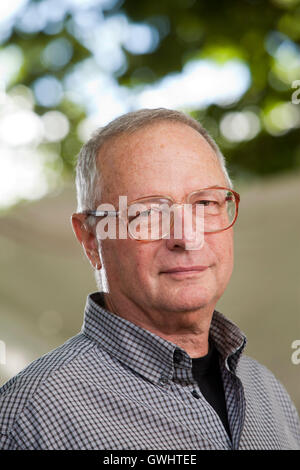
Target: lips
184	269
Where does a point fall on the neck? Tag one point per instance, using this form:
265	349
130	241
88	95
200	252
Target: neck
190	332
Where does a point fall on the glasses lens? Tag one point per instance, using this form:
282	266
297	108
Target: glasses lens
219	206
149	220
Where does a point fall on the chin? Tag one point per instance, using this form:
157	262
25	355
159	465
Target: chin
187	302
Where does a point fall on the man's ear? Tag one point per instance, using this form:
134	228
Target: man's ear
79	225
87	238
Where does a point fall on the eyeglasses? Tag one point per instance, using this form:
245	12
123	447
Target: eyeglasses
152	217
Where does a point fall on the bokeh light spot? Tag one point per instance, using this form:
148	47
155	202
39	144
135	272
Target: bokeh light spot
281	117
240	126
48	91
56	126
57	54
141	39
21	127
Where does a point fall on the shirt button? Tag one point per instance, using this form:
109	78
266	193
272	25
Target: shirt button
177	356
195	394
163	380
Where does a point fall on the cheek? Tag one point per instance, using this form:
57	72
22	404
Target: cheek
127	259
222	246
143	256
117	256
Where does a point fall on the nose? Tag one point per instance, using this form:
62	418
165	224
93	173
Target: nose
187	228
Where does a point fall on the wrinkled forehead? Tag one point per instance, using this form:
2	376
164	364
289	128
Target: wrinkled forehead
164	158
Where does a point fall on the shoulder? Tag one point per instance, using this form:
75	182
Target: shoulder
249	367
255	375
263	391
22	388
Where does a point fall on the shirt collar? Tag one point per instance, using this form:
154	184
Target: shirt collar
149	355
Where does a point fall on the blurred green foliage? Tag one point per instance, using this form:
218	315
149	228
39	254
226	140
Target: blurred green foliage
263	34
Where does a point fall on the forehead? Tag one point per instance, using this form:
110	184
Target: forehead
162	158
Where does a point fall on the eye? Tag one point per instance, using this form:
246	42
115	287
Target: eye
145	213
139	214
205	202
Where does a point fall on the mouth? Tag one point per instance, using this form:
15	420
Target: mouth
184	271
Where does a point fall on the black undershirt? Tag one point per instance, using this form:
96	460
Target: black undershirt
206	371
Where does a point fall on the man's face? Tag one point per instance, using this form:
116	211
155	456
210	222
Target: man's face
173	159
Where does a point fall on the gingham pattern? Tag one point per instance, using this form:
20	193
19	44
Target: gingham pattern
117	386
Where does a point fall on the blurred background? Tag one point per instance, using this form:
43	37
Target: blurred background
69	66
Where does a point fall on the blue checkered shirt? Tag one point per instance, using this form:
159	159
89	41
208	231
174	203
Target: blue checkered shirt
117	386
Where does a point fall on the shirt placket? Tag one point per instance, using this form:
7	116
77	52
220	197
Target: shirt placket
204	417
235	402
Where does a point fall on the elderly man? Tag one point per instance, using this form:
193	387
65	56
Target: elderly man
155	365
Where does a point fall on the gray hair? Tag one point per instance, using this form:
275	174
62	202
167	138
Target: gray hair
88	179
